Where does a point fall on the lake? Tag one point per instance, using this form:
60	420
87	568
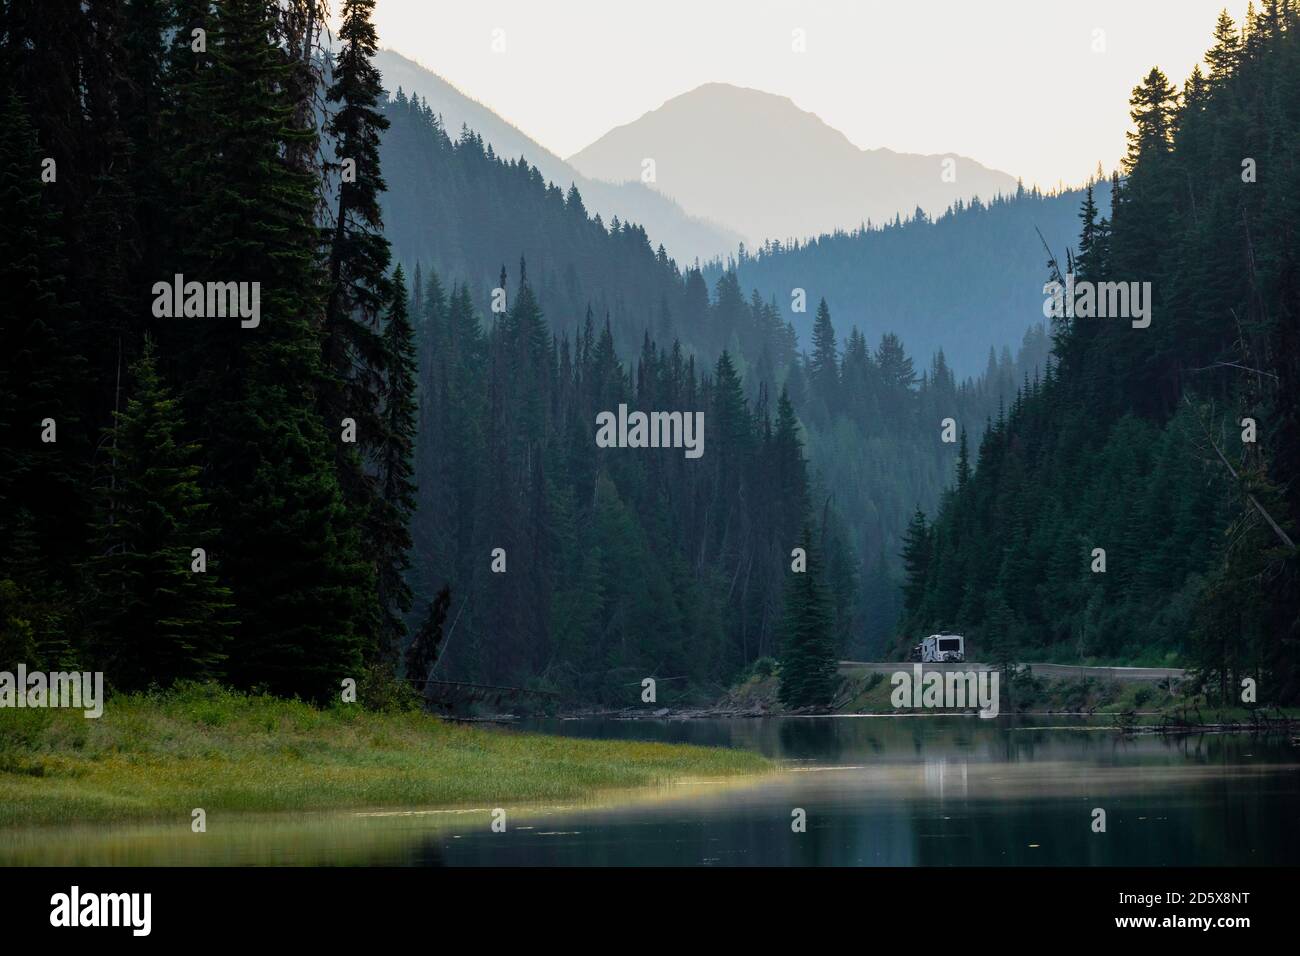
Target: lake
873	791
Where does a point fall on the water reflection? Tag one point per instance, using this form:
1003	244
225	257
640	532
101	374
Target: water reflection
945	777
876	791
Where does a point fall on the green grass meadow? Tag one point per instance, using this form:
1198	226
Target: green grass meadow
156	756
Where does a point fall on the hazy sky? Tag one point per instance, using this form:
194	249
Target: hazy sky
1014	84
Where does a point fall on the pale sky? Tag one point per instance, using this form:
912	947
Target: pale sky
1013	84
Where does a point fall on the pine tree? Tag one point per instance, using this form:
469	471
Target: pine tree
1223	56
824	369
808	660
963	463
354	351
1087	235
425	648
358	252
291	549
1153	108
391	537
730	419
791	486
896	367
916	562
158	619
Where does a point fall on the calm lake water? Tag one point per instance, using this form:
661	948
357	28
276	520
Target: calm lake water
922	791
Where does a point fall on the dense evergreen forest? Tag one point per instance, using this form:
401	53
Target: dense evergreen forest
884	440
1137	442
387	467
959	282
614	564
871	419
179	497
195	486
457	208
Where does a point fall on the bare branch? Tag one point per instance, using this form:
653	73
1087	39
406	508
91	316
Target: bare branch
1277	529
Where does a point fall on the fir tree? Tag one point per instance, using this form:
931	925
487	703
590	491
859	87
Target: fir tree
391	536
355	354
291	549
916	561
808	660
896	367
791	490
357	250
426	646
1153	108
963	463
157	618
824	369
1222	57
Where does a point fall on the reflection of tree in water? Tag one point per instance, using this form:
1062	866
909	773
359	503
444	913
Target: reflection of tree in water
811	738
426	852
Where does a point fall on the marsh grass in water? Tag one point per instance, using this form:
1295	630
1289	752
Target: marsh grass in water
155	756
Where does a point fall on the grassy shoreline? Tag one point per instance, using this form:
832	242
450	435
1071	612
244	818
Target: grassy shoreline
156	757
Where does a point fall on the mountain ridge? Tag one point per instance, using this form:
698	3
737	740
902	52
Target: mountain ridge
686	237
719	146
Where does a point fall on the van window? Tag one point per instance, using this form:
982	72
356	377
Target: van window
950	644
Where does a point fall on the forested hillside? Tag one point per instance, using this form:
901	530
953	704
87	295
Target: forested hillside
666	222
457	207
297	386
205	404
885	438
615	564
870	413
1141	442
213	377
962	281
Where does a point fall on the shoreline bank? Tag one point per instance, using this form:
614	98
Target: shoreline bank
161	757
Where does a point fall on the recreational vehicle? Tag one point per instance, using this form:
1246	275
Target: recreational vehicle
940	648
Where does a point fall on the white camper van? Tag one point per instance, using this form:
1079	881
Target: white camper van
940	648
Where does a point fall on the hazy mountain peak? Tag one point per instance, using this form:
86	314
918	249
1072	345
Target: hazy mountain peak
686	237
759	163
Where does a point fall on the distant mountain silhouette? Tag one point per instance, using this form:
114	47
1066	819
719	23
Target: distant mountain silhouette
685	237
760	165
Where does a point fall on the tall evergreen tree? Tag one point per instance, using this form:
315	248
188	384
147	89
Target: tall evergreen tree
160	613
916	561
358	253
896	367
291	549
791	489
1223	56
426	646
355	353
963	462
824	367
808	660
391	537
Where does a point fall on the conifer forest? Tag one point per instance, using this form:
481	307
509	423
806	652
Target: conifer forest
329	396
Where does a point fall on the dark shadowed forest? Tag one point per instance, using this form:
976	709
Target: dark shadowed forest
299	386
